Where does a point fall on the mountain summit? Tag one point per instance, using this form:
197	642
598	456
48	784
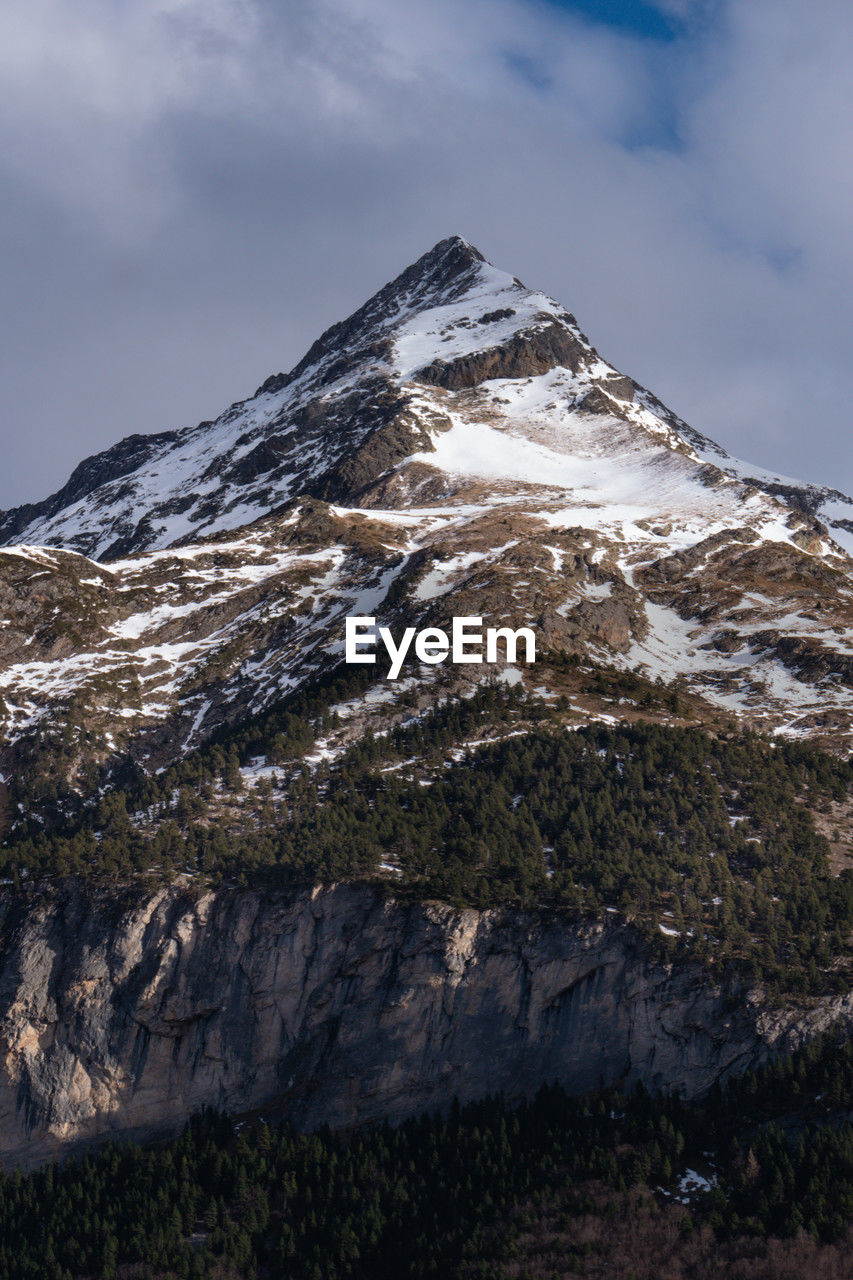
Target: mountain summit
450	319
349	413
456	447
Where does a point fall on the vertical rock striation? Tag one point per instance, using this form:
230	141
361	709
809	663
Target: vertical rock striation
339	1004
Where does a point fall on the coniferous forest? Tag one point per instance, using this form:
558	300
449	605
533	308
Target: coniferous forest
708	843
755	1181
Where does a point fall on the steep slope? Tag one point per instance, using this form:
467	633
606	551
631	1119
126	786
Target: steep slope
334	423
350	410
340	1007
456	446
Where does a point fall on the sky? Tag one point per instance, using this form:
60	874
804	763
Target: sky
192	190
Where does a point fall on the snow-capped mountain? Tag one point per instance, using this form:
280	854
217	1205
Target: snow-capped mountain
457	446
356	406
330	427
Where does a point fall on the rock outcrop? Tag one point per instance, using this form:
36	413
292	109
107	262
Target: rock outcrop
524	356
339	1005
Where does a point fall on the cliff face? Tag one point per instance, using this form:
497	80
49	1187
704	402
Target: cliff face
343	1005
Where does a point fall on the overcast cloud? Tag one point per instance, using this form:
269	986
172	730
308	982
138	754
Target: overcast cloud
193	189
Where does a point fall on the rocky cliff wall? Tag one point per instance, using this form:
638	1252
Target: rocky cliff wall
344	1006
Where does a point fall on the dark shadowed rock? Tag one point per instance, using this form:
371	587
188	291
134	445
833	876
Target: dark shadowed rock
522	356
123	1017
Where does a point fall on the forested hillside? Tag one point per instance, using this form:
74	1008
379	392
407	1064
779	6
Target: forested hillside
709	843
756	1181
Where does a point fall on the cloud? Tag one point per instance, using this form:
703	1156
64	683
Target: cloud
194	190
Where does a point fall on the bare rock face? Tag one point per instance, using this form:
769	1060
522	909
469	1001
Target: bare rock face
340	1005
524	356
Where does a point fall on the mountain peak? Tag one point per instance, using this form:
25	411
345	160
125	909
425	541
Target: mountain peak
455	447
371	396
439	277
449	262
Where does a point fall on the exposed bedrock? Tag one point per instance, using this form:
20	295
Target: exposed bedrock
525	355
342	1005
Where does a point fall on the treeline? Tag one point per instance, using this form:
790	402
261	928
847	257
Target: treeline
101	833
706	843
41	795
445	1196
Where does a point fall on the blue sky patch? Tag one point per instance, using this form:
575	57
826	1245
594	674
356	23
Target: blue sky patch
631	16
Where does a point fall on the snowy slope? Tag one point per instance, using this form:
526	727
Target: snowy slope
831	506
448	308
459	444
222	475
